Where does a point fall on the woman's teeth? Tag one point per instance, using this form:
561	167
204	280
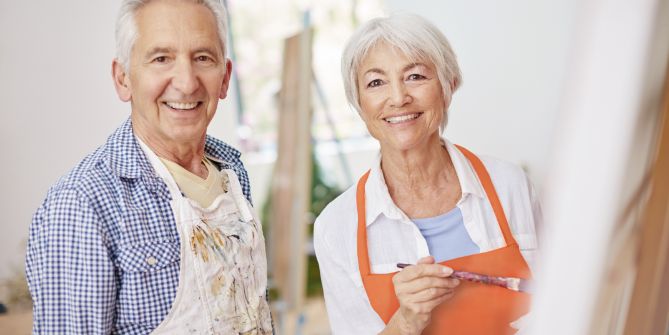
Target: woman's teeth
402	118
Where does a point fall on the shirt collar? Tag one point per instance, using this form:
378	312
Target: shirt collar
129	161
378	200
220	152
469	182
126	157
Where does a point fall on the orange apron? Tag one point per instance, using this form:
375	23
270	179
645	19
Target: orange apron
475	308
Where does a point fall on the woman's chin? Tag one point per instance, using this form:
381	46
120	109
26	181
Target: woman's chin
402	146
408	143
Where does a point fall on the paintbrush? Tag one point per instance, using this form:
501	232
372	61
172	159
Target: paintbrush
511	283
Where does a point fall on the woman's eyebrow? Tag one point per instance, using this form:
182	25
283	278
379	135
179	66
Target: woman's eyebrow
412	65
374	70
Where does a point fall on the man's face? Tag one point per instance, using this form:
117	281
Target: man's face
177	73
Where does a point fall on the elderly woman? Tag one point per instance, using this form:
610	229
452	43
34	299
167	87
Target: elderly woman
424	202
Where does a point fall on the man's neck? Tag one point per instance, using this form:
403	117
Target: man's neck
188	155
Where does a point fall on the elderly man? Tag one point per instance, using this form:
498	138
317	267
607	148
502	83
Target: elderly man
154	231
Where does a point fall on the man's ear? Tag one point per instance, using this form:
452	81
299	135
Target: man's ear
226	79
121	81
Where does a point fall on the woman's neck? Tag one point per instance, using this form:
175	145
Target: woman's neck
417	167
421	181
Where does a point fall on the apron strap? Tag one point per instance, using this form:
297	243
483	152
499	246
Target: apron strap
490	191
238	195
161	170
363	256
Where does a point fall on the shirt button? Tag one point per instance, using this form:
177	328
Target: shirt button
152	260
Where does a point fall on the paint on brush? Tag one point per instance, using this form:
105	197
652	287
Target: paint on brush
511	283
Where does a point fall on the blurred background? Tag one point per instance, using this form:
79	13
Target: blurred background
573	91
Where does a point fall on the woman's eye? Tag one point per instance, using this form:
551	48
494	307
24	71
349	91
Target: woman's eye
416	76
374	83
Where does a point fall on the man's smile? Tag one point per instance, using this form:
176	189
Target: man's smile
182	105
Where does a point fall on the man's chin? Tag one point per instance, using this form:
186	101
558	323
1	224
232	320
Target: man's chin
186	134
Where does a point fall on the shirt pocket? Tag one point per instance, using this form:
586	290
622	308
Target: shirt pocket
140	226
149	277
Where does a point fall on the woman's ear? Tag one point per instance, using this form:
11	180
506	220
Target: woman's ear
121	81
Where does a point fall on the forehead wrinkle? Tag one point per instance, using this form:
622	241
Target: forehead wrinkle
158	49
170	35
413	65
374	70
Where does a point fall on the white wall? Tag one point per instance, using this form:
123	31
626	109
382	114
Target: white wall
57	99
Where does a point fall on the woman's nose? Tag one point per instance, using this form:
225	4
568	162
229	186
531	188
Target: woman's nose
399	95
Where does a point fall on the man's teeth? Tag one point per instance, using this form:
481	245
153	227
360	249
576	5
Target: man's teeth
402	118
182	105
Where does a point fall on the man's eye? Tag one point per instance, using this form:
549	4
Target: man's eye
203	58
374	83
160	59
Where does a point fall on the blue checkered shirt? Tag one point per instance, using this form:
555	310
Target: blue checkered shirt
90	241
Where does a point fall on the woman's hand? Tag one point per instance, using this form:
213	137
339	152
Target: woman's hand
420	288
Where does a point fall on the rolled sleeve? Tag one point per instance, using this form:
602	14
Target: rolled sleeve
349	310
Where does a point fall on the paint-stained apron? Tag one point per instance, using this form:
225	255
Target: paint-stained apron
223	267
475	308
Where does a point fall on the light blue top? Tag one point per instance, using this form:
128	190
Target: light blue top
446	236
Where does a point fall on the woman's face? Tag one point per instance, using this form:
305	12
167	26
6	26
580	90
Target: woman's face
402	101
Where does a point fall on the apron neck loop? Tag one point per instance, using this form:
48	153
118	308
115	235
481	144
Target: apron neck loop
489	188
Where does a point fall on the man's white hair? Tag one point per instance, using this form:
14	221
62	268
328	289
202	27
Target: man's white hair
126	26
413	36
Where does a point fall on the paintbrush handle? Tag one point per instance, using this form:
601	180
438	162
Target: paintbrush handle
511	283
479	278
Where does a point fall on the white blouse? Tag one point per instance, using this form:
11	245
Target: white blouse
393	238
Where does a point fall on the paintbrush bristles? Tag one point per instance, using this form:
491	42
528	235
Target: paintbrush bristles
513	284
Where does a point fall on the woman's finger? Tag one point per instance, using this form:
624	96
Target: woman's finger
426	307
422	270
428	294
423	283
431	304
426	260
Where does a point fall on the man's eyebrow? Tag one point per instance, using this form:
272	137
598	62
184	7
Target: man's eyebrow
207	50
163	50
158	50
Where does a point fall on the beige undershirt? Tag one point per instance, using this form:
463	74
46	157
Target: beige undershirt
203	191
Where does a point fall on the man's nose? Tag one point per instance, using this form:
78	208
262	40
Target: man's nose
399	95
185	78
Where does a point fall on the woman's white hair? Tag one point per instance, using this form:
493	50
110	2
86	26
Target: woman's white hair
126	26
413	36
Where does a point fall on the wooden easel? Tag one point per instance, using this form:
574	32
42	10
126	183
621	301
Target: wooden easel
291	182
649	307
